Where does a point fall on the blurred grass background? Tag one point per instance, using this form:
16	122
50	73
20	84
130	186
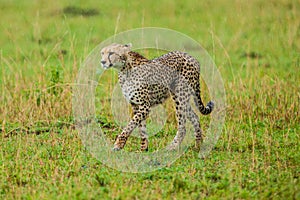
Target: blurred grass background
256	47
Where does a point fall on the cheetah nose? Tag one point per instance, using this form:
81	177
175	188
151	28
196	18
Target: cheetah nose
103	62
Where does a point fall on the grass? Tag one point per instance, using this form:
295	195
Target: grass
256	47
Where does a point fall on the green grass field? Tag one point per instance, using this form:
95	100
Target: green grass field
256	47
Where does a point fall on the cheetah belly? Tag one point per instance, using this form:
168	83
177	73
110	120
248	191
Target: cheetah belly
158	94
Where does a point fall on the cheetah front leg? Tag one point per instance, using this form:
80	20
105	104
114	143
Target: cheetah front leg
144	136
142	131
140	115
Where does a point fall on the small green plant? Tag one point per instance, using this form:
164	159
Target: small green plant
54	86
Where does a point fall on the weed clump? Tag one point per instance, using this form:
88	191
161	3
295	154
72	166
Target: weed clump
77	11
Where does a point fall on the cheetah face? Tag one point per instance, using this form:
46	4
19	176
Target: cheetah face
114	55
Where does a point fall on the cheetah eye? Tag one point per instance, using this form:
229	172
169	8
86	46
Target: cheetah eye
110	53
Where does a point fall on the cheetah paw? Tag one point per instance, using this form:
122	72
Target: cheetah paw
116	149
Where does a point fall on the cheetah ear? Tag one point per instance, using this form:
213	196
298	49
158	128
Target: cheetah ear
128	45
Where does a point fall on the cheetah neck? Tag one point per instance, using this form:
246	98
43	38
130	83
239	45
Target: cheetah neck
134	59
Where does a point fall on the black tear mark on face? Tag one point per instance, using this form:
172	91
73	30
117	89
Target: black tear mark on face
108	57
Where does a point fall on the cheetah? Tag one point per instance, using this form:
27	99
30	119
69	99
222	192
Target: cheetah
147	83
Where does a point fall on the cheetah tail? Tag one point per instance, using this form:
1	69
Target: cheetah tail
205	110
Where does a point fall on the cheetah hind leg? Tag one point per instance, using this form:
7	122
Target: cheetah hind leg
194	119
181	114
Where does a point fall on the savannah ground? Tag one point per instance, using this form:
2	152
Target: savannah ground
255	45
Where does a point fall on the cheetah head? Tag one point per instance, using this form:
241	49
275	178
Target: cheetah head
114	55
